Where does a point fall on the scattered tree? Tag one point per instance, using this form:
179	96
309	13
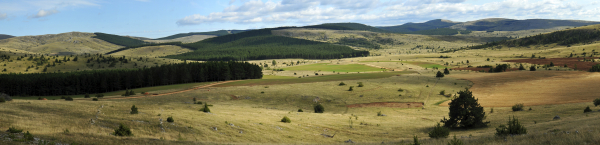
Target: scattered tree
439	75
319	108
439	131
285	119
514	128
446	71
205	109
300	110
123	131
597	102
517	107
170	119
532	68
443	92
342	84
134	110
521	67
465	112
350	89
587	109
360	84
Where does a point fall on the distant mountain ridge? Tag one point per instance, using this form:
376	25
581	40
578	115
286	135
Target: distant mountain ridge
491	24
3	36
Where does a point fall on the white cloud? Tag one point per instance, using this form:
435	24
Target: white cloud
43	13
375	12
2	16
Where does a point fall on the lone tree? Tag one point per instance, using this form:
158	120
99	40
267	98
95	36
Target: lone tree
123	131
439	132
319	108
532	68
521	67
285	119
596	102
439	75
465	112
134	110
170	119
205	109
446	71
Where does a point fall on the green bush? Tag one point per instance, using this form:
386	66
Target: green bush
416	141
587	109
439	75
69	99
342	84
14	130
319	108
300	110
455	141
95	99
465	112
379	113
360	84
123	131
286	119
596	102
351	88
134	110
205	109
514	128
443	92
400	90
517	107
532	68
170	119
439	131
28	136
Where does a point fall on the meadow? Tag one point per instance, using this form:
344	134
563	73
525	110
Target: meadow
335	68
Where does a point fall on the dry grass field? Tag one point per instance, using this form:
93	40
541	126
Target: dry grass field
64	43
533	88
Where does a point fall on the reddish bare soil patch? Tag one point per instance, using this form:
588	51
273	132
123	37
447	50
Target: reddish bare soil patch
532	87
570	62
388	104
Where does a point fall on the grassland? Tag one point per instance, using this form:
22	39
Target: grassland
335	68
277	80
69	43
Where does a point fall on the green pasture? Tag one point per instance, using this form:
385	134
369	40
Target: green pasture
137	91
336	68
272	80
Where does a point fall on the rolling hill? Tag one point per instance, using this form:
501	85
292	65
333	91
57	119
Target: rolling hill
3	36
347	26
413	27
215	33
64	43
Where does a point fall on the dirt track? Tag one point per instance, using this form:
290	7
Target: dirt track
200	87
532	87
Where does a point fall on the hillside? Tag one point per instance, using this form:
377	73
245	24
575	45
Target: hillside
64	43
3	36
185	39
153	51
412	27
215	33
499	24
119	40
440	31
347	26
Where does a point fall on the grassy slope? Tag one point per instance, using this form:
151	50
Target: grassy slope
119	40
215	33
336	68
153	51
291	80
70	43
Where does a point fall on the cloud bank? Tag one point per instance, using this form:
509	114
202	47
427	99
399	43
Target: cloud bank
376	12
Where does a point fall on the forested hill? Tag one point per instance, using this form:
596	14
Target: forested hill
3	36
100	81
216	33
266	47
565	37
119	40
413	27
347	26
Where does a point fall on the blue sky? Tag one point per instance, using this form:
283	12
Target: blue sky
159	18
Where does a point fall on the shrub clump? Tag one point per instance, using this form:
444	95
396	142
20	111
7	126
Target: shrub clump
439	131
300	110
170	119
455	141
95	99
319	108
351	88
400	90
587	109
123	131
517	107
286	119
69	99
443	92
28	136
134	110
14	130
360	84
596	102
205	109
342	84
514	128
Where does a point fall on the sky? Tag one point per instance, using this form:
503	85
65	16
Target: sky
160	18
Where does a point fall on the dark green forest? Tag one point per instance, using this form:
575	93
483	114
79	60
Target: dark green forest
100	81
565	38
347	26
359	42
148	44
267	47
217	33
119	40
440	31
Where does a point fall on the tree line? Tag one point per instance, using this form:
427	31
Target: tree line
565	38
100	81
